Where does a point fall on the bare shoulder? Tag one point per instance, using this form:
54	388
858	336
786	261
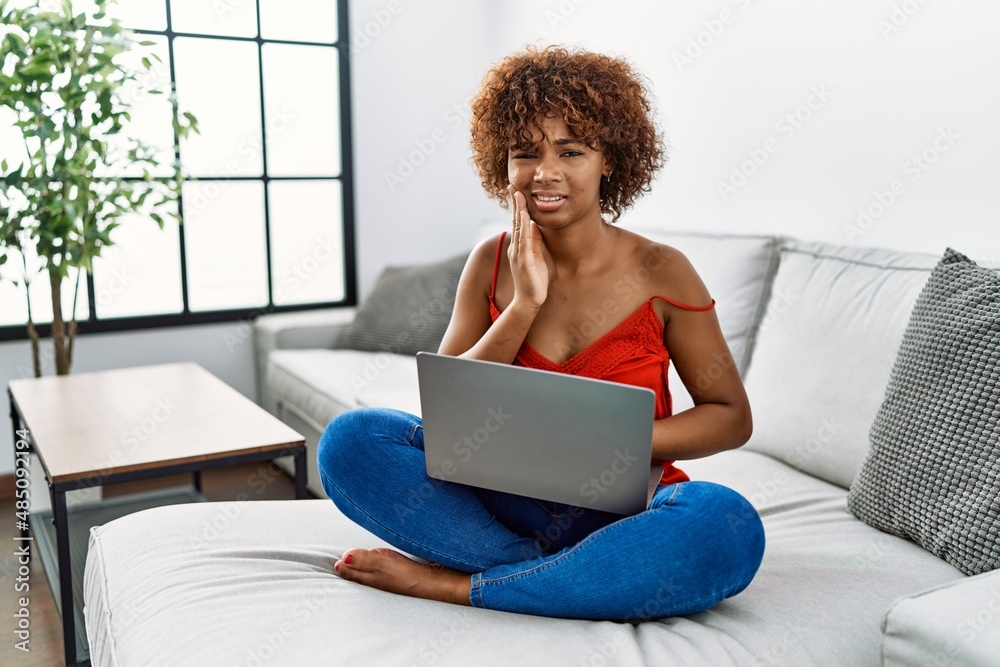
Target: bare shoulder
470	318
670	273
478	269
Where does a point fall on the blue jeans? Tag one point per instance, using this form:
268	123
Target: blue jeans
697	543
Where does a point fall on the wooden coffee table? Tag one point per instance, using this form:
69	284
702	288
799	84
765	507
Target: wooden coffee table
92	429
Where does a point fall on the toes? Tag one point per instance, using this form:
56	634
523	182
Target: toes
348	562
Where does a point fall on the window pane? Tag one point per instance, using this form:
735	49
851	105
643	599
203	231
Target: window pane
151	115
13	304
140	14
11	142
238	19
141	273
307	249
225	244
302	110
219	82
299	20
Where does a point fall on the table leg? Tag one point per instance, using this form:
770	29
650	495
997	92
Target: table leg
61	520
300	474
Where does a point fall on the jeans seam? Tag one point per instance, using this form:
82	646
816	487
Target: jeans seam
479	581
570	551
673	496
476	567
476	589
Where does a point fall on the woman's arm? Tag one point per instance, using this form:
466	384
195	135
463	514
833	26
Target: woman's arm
720	418
469	333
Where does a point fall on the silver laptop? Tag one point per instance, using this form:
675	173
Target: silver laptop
534	433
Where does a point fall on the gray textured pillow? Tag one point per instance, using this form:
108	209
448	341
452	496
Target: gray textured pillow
933	471
408	310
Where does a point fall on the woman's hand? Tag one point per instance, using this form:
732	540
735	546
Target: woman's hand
527	255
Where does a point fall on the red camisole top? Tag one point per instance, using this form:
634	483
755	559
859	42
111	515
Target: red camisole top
632	353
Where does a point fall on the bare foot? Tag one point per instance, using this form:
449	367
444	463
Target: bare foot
391	571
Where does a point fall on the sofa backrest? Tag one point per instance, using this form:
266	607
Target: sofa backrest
737	269
814	329
824	351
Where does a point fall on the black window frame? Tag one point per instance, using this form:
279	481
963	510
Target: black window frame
92	324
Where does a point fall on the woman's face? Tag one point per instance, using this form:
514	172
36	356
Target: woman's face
559	176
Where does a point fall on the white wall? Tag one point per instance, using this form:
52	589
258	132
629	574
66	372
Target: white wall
899	74
411	85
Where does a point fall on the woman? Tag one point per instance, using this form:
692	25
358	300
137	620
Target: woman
566	139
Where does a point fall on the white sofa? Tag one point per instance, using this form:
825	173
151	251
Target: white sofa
814	329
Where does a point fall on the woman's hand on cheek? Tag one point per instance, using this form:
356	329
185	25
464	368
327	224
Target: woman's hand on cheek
527	255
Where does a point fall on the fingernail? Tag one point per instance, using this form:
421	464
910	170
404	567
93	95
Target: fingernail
349	559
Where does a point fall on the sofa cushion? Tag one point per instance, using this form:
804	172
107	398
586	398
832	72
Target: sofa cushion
933	471
737	270
320	328
250	582
321	384
408	310
824	351
950	624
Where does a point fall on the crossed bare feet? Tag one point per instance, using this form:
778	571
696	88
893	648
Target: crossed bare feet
391	571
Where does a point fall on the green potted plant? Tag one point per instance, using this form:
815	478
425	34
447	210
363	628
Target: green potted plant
63	76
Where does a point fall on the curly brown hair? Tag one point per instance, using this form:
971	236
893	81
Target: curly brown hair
601	99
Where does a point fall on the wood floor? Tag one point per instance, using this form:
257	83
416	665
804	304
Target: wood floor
46	628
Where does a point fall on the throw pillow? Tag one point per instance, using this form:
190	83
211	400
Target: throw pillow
933	471
408	310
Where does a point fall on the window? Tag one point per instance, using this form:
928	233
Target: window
267	210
